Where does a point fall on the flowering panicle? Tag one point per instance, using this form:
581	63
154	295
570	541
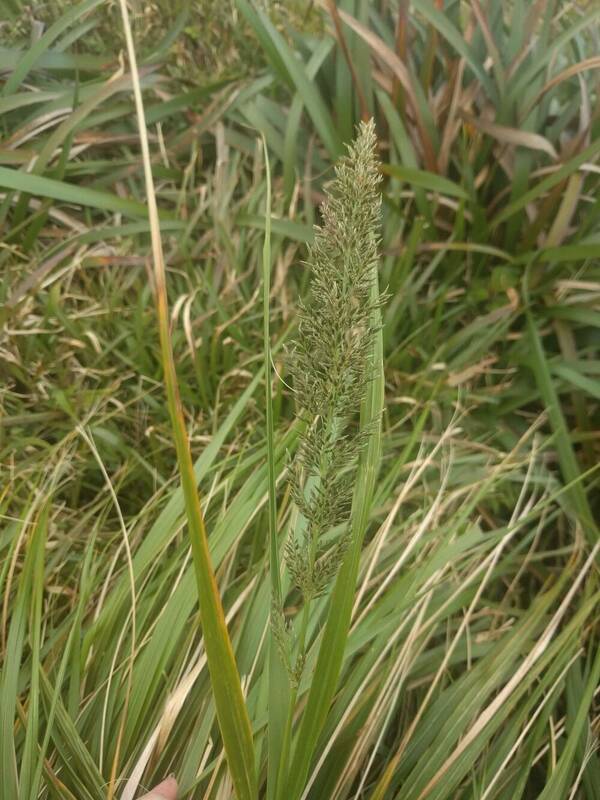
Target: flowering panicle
331	367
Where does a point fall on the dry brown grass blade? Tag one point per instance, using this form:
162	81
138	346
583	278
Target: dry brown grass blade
401	40
574	69
453	123
487	35
535	14
568	206
387	56
511	136
36	276
339	32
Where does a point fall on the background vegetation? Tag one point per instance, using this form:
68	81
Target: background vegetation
472	664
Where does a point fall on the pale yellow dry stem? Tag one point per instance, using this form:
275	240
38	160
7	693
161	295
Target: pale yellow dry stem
554	735
231	710
567	208
406	489
590	749
529	725
218	770
569	72
560	731
383	708
492	561
362	688
27	523
174	704
529	661
381	536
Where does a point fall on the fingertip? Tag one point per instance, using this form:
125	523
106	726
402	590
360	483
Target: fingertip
166	790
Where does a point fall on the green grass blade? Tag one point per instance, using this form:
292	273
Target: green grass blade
577	379
295	231
442	23
278	679
73	640
574	689
547	183
566	455
33	55
315	105
27	787
76	758
294	117
425	180
69	193
9	685
52	60
557	787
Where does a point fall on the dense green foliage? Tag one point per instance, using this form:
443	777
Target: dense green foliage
456	653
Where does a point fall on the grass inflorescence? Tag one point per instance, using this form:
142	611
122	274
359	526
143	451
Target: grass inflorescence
331	361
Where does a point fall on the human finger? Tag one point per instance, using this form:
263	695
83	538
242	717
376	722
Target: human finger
167	790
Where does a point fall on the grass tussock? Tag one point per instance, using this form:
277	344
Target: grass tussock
399	500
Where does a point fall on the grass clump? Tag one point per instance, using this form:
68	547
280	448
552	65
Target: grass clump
453	655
